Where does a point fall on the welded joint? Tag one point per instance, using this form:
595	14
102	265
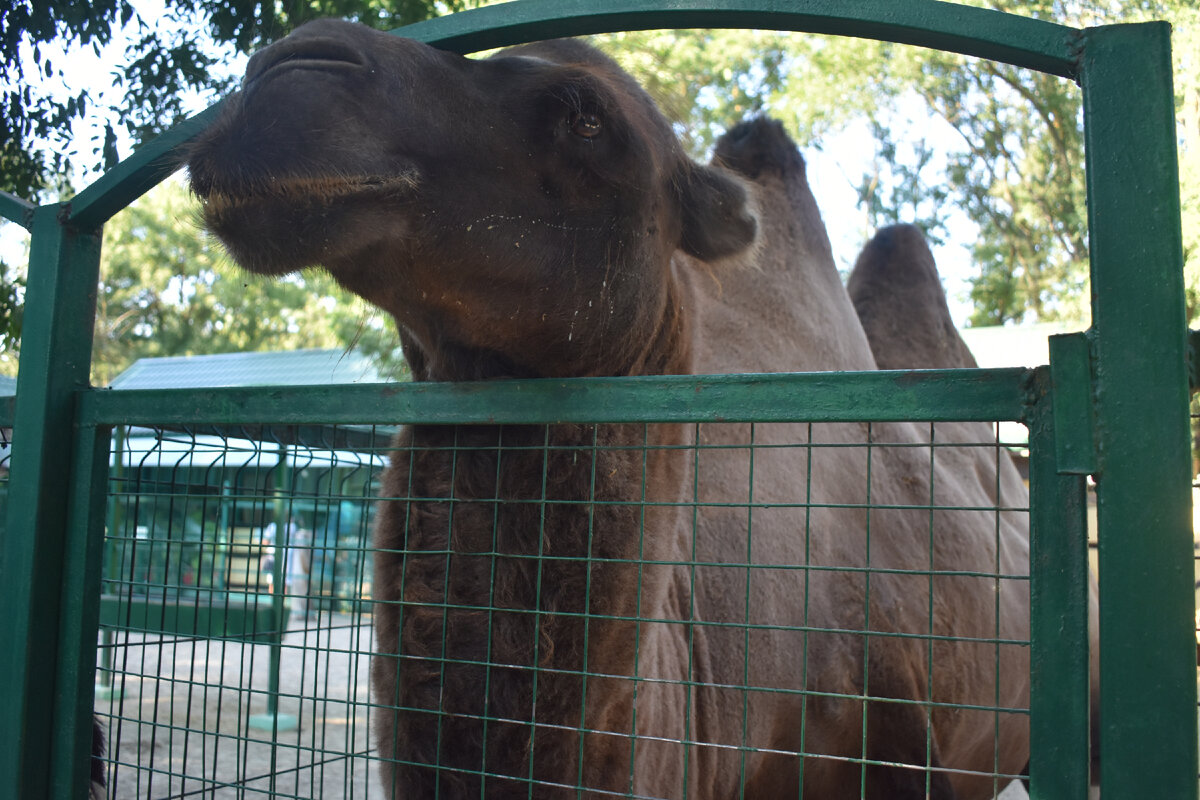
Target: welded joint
17	209
1073	404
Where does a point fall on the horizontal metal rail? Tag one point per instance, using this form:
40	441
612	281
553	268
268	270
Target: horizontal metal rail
16	210
925	395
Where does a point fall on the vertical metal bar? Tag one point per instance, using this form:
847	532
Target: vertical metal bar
1147	679
224	525
272	720
60	306
1058	573
70	759
116	508
283	548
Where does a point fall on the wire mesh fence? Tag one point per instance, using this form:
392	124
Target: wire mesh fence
239	613
234	638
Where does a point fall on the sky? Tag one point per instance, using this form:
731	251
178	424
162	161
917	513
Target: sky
834	170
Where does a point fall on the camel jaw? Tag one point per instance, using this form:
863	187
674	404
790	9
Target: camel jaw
280	225
307	191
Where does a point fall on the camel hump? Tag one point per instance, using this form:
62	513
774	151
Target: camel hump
758	145
898	294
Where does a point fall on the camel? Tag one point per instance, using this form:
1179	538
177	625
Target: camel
709	611
898	294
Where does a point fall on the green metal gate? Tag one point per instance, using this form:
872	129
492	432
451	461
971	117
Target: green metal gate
1113	404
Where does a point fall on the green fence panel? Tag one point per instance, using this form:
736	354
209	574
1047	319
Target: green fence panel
713	407
55	359
1134	363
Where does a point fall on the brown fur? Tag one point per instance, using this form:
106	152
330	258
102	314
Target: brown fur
517	596
899	298
898	295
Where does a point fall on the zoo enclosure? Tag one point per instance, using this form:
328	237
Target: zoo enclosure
1113	404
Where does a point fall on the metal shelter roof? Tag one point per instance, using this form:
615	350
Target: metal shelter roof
294	367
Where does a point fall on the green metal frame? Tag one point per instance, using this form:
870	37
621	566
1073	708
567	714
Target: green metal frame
1113	405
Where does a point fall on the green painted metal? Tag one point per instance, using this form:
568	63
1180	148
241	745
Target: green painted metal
56	349
940	395
1071	373
70	756
1148	678
1058	567
15	209
137	174
947	26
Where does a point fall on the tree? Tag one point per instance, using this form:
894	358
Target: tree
166	289
168	71
1015	168
165	62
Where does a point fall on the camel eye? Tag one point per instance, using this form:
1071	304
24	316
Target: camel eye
584	125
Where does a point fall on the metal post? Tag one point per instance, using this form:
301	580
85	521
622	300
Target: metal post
64	269
1058	571
1148	673
81	569
116	556
273	720
224	521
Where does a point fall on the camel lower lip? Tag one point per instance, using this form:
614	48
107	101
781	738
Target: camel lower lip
317	190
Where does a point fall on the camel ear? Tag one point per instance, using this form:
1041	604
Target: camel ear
717	218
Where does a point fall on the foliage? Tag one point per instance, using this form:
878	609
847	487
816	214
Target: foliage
1017	168
168	71
168	290
1014	168
165	62
897	189
1020	179
12	296
697	89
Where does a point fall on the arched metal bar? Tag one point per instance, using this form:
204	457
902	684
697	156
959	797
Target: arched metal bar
1031	43
136	175
1025	42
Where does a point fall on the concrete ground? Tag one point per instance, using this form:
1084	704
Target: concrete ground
179	723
